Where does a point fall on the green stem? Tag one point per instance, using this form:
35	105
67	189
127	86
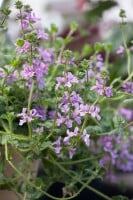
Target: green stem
42	191
79	161
3	21
29	106
127	52
23	33
75	178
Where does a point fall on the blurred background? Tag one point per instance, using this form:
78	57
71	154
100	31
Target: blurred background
103	14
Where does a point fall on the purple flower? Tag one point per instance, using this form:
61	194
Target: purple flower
105	161
12	77
70	79
46	54
127	113
27	72
64	108
27	117
75	98
57	145
39	129
98	88
70	134
31	17
71	152
74	133
40	70
120	50
41	34
51	114
128	87
25	48
24	24
60	81
71	62
94	112
68	122
99	57
2	73
108	91
67	80
76	116
41	112
91	73
86	138
83	109
60	119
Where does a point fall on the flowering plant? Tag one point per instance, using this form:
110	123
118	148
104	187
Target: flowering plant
65	111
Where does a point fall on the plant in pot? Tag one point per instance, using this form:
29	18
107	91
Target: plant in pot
61	113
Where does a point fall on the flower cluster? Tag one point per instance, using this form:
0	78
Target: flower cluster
63	110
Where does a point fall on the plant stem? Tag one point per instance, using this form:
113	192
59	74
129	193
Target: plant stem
79	161
127	52
29	106
87	186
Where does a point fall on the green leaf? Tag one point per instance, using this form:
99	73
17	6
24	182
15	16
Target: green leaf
45	145
118	121
73	26
20	42
108	46
98	46
87	49
54	28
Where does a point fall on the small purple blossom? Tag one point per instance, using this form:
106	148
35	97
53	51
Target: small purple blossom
86	138
71	152
25	117
39	129
83	109
127	113
70	134
41	34
128	87
57	145
31	17
27	72
41	112
94	112
105	162
24	24
51	114
60	119
98	88
12	77
25	48
2	73
70	79
46	54
108	91
120	50
67	80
